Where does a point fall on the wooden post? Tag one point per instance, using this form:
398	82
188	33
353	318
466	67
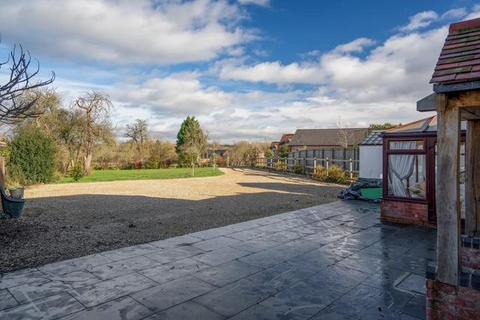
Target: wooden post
472	179
351	169
2	172
448	192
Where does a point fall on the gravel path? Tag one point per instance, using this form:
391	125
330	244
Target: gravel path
70	220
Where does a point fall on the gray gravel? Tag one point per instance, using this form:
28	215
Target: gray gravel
81	219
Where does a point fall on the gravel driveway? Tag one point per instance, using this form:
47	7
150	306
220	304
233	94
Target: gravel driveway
70	220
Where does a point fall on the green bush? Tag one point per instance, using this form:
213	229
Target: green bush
32	157
320	173
299	169
335	174
281	165
78	172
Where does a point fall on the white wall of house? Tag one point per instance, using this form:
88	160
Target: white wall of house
371	162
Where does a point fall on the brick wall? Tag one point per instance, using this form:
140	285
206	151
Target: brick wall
470	252
448	302
404	212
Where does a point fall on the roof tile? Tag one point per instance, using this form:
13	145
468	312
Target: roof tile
460	57
328	137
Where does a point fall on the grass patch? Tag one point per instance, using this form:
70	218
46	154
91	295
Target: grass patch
144	174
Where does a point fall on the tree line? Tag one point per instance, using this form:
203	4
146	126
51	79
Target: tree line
49	139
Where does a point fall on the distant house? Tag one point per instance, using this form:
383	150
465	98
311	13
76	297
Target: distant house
329	146
329	139
284	141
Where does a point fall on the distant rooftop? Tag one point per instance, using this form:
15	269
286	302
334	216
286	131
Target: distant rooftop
373	139
459	60
424	125
286	138
328	137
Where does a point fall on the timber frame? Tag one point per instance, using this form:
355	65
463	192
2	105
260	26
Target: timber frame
452	108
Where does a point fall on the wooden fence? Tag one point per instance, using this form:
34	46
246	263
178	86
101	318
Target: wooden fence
309	165
306	161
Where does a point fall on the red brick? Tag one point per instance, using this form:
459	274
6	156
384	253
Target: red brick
450	302
404	212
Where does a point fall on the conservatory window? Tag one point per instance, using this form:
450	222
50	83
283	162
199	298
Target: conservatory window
406	145
407	172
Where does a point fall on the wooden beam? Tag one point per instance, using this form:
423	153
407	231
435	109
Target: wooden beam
448	191
472	179
427	103
468	99
470	114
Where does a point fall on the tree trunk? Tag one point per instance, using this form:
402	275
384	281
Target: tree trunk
87	164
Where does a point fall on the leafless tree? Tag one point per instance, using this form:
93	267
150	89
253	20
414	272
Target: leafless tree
345	136
96	108
14	104
138	134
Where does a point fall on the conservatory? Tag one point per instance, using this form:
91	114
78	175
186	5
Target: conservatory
409	165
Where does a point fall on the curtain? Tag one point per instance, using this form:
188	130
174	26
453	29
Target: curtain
401	167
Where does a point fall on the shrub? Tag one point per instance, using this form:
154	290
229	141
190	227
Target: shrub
320	173
299	169
335	174
32	157
281	165
78	172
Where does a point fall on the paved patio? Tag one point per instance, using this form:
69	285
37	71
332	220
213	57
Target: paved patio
334	261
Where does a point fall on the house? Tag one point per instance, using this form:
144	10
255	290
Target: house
332	139
276	146
330	146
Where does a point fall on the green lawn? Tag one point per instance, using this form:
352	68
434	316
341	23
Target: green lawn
145	174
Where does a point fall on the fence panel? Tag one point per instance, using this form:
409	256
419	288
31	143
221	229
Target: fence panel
307	161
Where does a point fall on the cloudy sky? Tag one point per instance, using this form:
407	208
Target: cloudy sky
248	69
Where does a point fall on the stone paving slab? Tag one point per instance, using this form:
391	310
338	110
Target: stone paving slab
334	261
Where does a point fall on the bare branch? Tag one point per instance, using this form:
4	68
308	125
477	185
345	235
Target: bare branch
18	96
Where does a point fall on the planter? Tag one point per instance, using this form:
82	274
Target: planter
16	193
11	207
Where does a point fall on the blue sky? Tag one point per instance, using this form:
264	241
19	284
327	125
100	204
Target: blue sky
248	69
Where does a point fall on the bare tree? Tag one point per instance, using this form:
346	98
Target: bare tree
14	104
345	135
96	108
138	134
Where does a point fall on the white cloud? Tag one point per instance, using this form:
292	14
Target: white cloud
263	3
272	72
357	45
475	13
180	94
420	20
454	14
124	31
361	82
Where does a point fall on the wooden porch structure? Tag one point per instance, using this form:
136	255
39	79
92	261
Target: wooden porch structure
456	98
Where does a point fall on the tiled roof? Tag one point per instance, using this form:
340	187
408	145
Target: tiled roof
328	137
424	125
459	60
286	138
373	139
